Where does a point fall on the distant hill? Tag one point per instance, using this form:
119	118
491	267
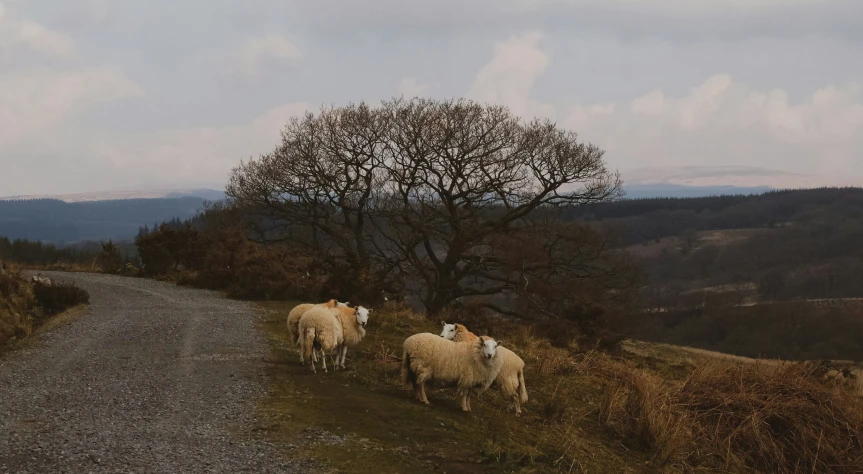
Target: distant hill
703	181
660	190
779	274
204	193
60	222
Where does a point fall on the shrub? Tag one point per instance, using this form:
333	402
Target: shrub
249	270
170	248
59	297
109	260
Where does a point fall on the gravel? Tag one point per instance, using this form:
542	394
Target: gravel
155	378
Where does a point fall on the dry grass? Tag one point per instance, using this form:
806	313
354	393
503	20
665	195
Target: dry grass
64	266
558	431
16	303
27	308
661	411
736	418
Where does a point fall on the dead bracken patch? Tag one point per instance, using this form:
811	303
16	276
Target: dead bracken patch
788	420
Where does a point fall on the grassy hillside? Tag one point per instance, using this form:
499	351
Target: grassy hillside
652	408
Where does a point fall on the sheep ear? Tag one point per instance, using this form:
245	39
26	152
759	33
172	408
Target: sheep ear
443	323
496	343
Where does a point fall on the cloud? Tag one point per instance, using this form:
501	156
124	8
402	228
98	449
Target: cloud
267	47
721	121
183	157
679	19
17	32
35	100
508	78
410	87
97	10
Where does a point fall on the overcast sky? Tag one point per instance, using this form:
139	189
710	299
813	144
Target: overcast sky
113	94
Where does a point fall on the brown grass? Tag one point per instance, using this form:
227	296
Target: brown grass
25	308
659	411
736	418
16	303
558	431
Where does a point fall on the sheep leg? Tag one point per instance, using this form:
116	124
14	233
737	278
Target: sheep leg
344	353
465	400
338	352
335	360
423	393
516	404
418	391
323	360
422	377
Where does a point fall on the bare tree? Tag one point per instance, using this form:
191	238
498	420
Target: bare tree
318	189
418	190
461	172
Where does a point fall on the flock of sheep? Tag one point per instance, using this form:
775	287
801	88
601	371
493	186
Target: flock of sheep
456	356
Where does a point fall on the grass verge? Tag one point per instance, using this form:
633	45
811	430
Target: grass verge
364	420
48	324
655	408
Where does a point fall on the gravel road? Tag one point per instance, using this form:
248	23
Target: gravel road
155	378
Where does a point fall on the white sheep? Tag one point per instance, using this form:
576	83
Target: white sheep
320	329
353	329
40	279
472	367
298	311
510	380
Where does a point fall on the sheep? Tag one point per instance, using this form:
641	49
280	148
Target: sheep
472	367
320	329
40	279
298	311
510	380
353	329
451	331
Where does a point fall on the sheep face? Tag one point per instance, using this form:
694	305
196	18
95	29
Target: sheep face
489	347
449	331
362	316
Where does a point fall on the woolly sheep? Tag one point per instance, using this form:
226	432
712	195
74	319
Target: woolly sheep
319	329
298	311
451	331
510	380
40	279
472	367
353	329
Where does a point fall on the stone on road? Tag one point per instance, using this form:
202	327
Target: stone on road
155	378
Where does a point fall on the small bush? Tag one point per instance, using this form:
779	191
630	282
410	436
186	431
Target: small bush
59	297
109	260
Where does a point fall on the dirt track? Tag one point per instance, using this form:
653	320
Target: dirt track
155	378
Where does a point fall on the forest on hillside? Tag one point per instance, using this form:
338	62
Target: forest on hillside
778	274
